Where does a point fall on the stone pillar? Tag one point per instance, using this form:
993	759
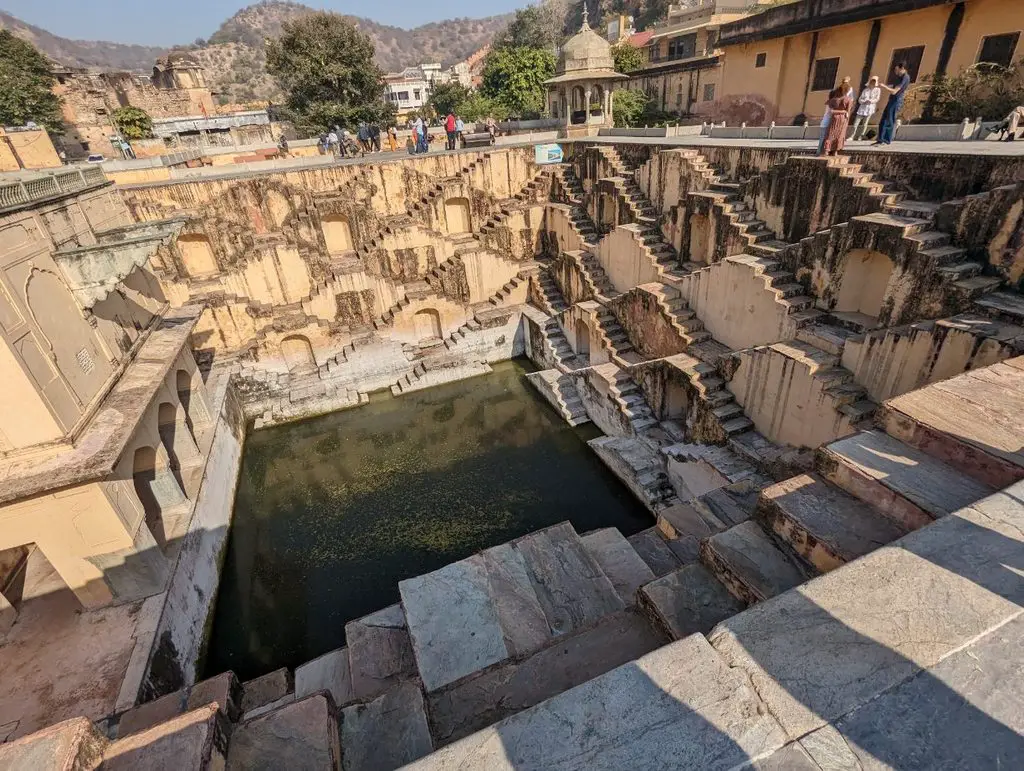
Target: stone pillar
80	574
165	487
608	106
586	103
178	436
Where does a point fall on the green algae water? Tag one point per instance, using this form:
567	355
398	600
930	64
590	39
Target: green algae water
331	513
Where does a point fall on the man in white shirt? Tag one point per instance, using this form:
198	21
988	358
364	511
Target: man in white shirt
867	103
420	132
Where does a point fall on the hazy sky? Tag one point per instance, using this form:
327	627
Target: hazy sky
163	22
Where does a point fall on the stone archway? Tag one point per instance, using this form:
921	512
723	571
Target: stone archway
156	487
191	403
457	215
582	330
866	275
427	324
176	437
337	233
701	246
197	255
298	353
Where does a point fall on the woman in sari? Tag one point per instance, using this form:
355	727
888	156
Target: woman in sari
839	104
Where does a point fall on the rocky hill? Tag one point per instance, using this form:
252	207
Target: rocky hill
233	55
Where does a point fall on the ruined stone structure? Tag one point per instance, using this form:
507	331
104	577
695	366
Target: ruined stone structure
809	370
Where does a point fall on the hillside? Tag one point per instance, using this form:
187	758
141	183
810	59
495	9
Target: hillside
233	54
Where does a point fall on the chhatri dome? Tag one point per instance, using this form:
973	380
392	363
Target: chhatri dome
580	93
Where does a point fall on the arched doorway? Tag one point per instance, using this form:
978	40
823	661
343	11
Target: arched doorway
597	101
700	238
456	212
866	275
197	255
427	324
176	438
156	487
608	214
337	233
582	338
195	410
298	353
578	105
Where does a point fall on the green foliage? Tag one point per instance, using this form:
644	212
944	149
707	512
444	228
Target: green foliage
479	107
514	78
536	26
628	107
984	90
133	122
628	58
448	97
26	85
325	67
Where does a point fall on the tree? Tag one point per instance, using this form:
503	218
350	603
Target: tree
26	85
628	58
477	107
448	97
985	90
515	77
628	106
536	26
133	122
325	67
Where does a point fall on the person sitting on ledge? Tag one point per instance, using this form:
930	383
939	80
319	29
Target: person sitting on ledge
1008	128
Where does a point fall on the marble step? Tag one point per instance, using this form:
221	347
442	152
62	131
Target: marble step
329	672
505	602
267	692
728	506
823	524
517	685
749	564
687	601
619	561
72	744
194	741
379	652
902	482
303	734
386	733
224	689
655	550
677	707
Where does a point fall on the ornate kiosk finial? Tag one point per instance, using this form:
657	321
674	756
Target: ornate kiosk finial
586	24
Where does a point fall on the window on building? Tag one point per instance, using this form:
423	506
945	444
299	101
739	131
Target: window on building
416	93
683	47
998	49
403	96
910	57
710	42
709	92
679	96
761	60
825	72
655	51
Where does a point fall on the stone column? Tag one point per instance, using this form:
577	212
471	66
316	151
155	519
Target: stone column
608	106
165	487
586	101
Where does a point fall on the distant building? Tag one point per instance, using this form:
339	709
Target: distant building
408	94
620	28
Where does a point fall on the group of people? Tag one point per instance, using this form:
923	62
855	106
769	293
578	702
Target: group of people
835	123
453	127
338	141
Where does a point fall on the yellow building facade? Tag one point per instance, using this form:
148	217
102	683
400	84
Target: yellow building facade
788	58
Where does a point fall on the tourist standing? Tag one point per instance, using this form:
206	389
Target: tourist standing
839	103
420	132
867	103
897	95
449	128
363	136
332	142
459	128
375	137
845	88
392	138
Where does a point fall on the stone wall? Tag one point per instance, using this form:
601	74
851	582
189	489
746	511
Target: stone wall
645	321
990	226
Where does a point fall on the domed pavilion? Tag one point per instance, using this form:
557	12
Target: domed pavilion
580	94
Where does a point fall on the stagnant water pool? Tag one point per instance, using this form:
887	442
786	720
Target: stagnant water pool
331	513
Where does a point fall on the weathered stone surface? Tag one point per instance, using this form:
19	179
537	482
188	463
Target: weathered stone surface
817	653
746	561
965	712
387	733
514	686
270	706
194	741
329	672
570	586
654	551
302	736
73	744
677	707
685	520
267	688
822	523
379	651
792	757
879	461
224	689
452	622
152	712
619	561
522	619
687	601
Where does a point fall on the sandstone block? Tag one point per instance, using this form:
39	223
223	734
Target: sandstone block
619	561
151	713
224	689
72	744
194	741
301	736
750	566
654	551
379	651
329	672
386	733
266	689
687	601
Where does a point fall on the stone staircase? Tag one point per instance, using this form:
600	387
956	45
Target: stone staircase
421	376
594	275
560	390
547	294
615	339
626	395
562	353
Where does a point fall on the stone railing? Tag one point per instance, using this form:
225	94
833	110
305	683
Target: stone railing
922	132
45	185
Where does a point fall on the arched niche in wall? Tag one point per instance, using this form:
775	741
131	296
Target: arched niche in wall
337	233
157	488
191	403
700	238
582	330
427	324
73	344
197	255
457	215
866	275
298	353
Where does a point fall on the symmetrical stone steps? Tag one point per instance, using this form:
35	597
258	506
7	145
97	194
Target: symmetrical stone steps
626	394
718	401
420	377
788	292
595	276
560	390
548	293
615	339
558	345
683	320
638	466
